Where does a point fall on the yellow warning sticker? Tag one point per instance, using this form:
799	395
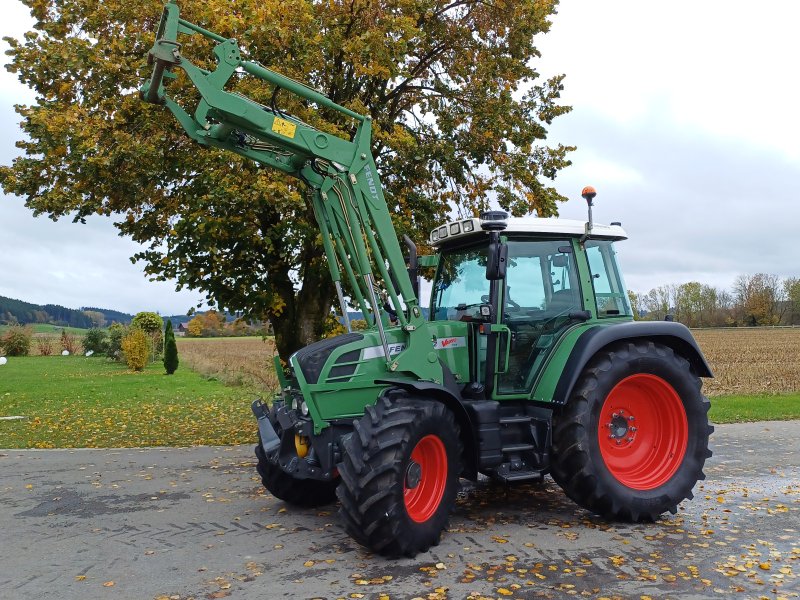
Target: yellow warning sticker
284	127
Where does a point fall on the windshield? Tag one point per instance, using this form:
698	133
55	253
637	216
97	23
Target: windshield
461	284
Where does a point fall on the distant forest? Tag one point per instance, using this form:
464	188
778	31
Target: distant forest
17	312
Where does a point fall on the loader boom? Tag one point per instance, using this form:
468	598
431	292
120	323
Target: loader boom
348	201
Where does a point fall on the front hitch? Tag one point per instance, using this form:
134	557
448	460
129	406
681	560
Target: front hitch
269	438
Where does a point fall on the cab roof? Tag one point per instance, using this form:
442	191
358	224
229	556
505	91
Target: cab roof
470	229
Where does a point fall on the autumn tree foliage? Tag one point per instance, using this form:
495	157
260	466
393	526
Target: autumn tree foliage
459	117
135	348
207	324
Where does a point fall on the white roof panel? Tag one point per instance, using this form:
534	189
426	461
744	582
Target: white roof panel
471	228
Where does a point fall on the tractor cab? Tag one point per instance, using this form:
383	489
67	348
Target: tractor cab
554	279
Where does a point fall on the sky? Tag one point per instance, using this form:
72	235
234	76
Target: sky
684	115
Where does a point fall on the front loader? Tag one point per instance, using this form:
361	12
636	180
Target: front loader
527	363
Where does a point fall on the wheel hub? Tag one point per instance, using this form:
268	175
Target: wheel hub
413	475
621	427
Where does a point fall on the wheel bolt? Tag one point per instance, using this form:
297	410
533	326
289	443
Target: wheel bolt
630	418
633	429
615	415
619	442
630	439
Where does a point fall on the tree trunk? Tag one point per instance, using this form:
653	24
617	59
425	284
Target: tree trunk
301	320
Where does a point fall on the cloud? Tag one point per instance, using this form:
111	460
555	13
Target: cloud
700	209
77	265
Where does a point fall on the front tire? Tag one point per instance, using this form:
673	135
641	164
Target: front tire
400	475
305	493
633	438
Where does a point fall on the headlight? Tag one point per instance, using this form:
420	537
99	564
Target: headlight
304	408
294	405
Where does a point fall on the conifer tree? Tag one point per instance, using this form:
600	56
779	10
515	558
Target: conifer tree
170	350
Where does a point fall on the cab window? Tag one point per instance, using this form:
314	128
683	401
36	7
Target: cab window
609	288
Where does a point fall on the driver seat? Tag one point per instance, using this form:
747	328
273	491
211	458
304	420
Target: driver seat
563	300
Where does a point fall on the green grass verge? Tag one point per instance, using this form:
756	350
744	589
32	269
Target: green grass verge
738	409
48	328
74	401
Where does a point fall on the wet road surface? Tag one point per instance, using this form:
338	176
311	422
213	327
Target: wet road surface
196	523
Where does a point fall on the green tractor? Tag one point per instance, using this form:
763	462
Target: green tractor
527	363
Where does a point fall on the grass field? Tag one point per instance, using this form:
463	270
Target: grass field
49	329
90	402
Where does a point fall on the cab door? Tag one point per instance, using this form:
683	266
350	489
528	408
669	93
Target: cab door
541	301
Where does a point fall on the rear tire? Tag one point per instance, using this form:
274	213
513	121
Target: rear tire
305	493
400	475
633	438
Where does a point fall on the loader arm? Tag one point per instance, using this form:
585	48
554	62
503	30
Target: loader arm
348	201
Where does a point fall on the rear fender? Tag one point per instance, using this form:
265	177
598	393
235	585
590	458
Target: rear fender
669	333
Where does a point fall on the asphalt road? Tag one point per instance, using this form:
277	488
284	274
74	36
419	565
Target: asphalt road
195	523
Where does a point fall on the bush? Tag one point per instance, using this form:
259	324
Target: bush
170	350
115	334
135	347
96	341
44	345
16	341
69	342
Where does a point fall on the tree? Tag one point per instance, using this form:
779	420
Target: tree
658	302
458	118
194	327
95	341
757	299
97	318
116	332
151	323
170	350
207	324
791	291
135	348
637	304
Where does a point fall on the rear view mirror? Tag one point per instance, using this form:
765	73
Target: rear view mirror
496	259
560	260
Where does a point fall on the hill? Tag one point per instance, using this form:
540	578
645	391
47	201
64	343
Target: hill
14	311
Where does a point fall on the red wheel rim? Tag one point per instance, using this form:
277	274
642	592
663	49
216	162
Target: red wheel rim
643	431
425	478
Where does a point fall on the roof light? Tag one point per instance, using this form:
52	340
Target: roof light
435	235
443	231
494	220
468	226
455	228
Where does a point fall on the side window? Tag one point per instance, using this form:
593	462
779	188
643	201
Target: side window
609	289
525	282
